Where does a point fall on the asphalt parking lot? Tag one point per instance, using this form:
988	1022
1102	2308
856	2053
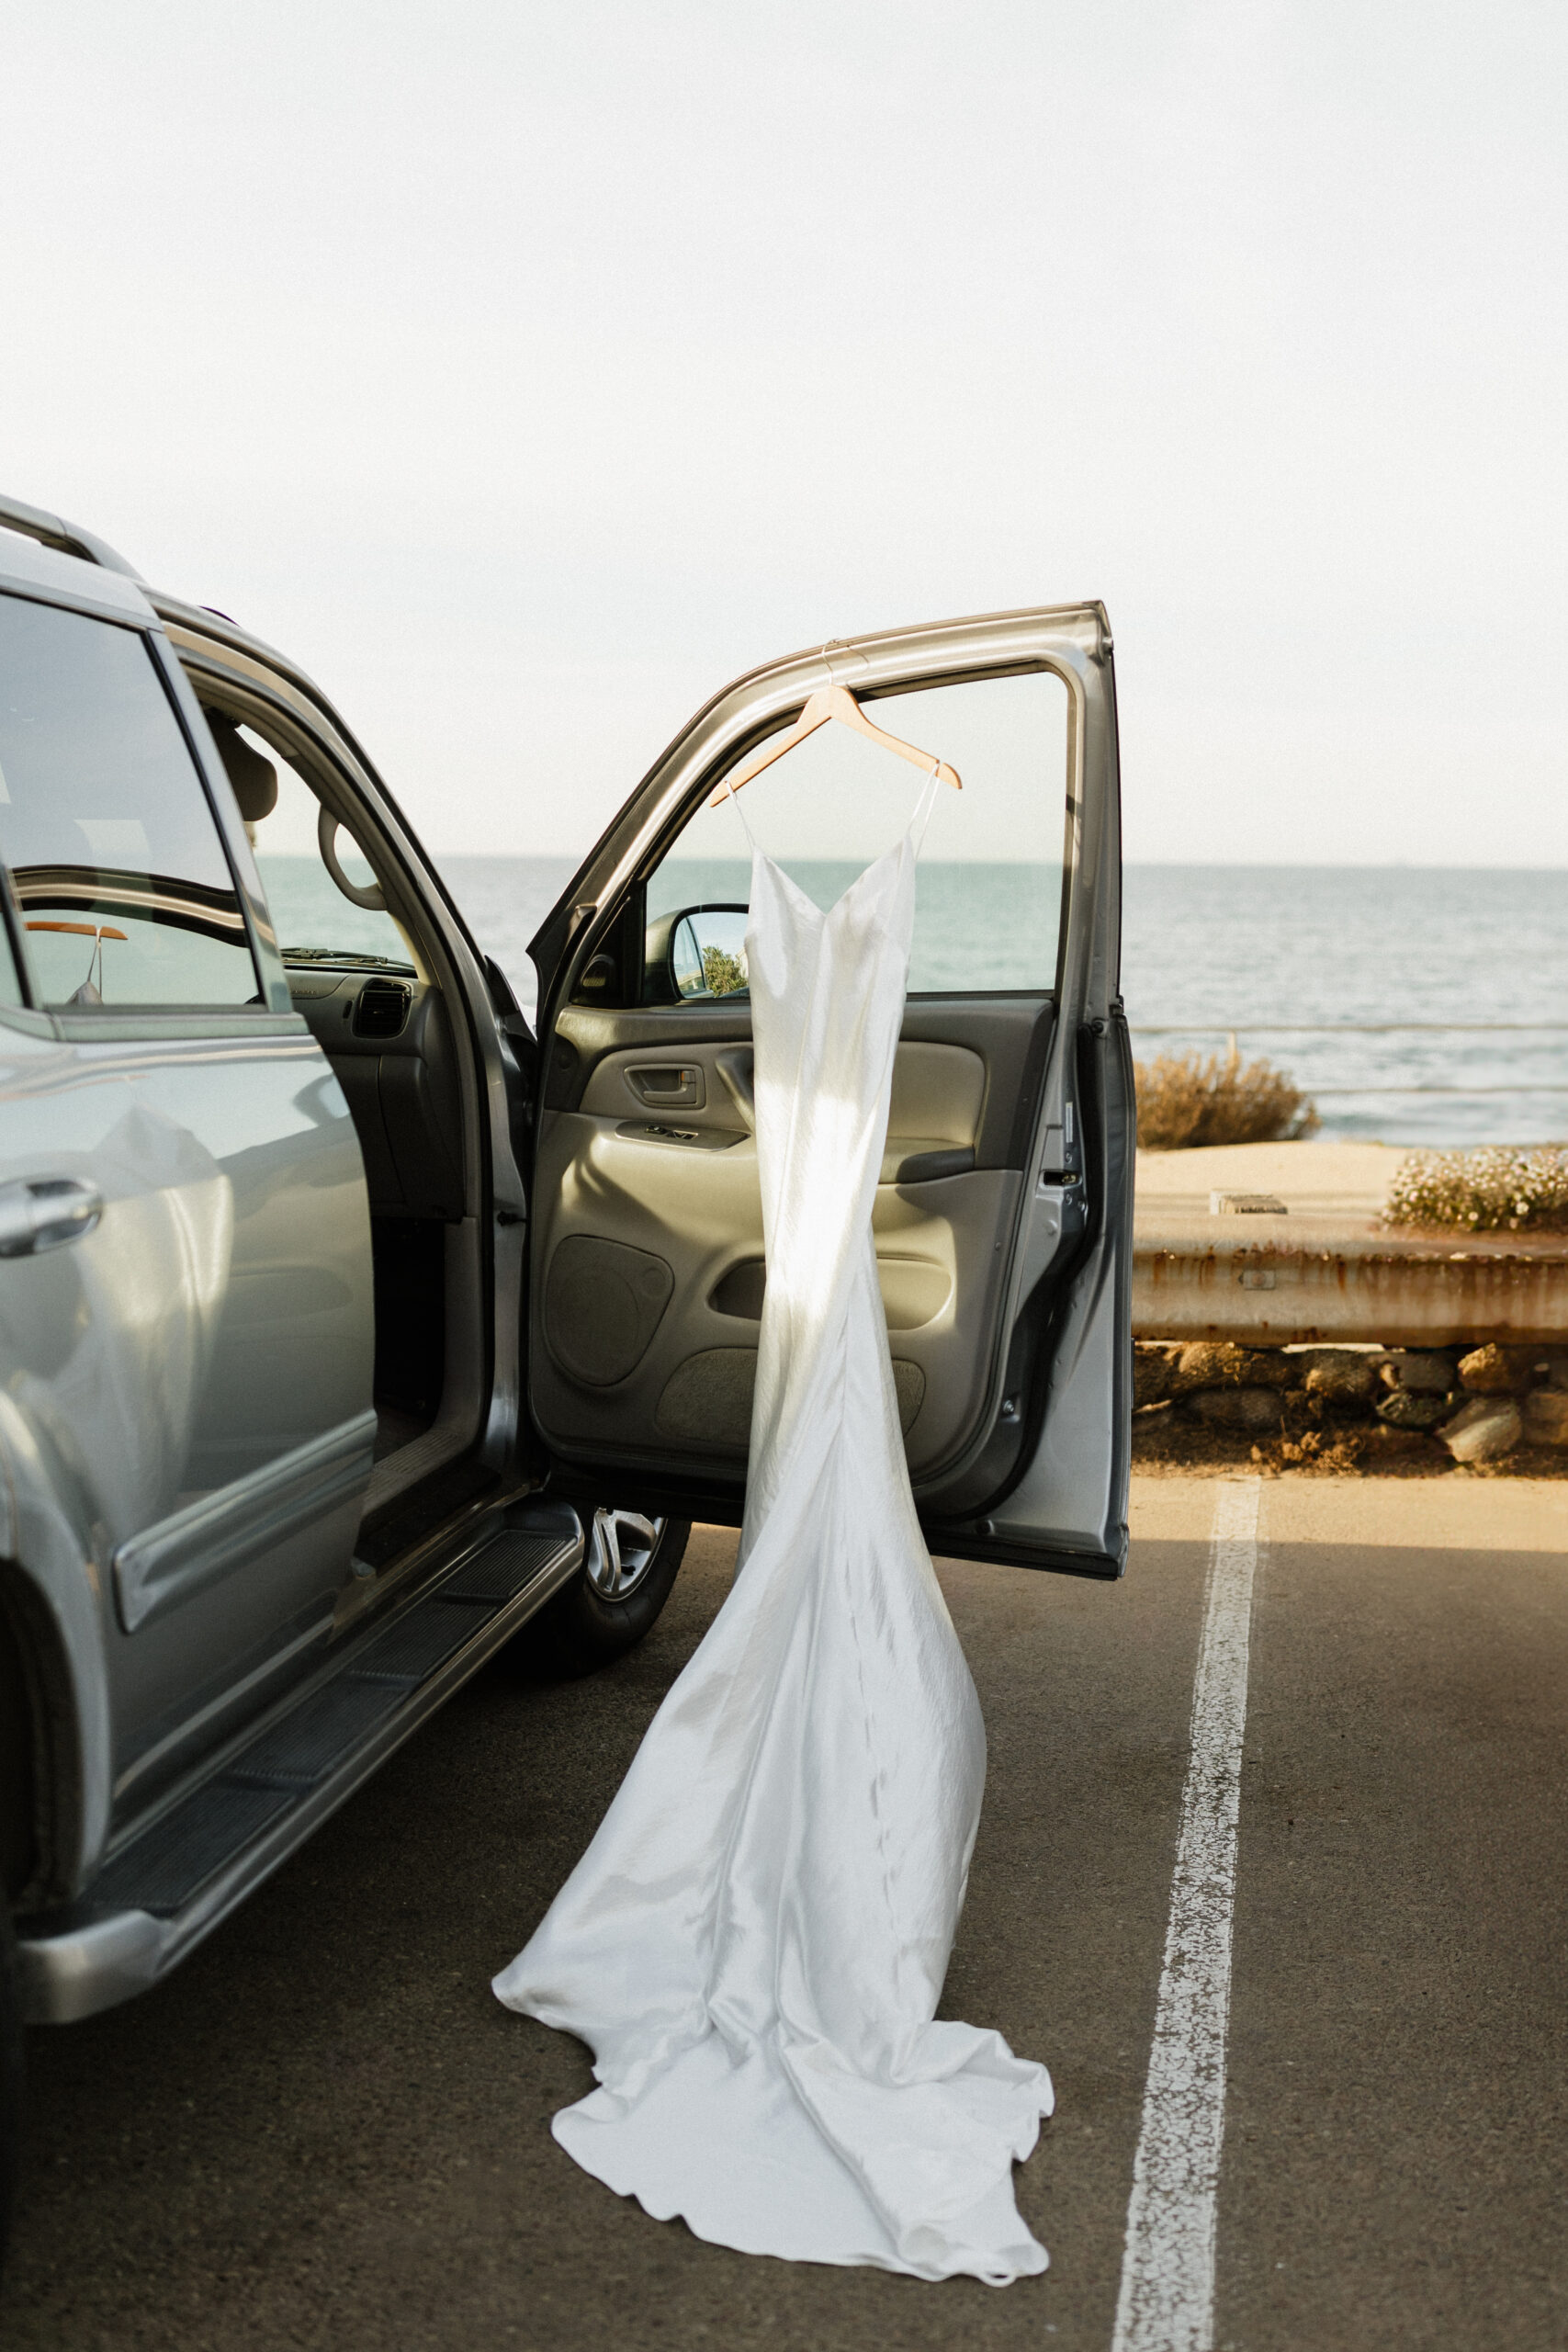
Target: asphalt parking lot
325	2130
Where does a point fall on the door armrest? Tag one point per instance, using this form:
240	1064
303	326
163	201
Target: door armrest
920	1159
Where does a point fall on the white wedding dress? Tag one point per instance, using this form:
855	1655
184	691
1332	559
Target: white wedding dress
754	1944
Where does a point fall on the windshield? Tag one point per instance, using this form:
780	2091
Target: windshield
315	923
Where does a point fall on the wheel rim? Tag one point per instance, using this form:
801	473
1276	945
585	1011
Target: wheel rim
621	1545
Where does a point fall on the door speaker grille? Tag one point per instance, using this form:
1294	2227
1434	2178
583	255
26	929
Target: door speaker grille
602	1304
707	1399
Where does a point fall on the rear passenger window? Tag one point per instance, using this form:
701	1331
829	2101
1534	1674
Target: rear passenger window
123	889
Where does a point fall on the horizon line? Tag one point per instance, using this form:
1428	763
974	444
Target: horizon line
1148	865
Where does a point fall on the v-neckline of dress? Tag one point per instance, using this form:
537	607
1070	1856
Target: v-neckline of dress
826	914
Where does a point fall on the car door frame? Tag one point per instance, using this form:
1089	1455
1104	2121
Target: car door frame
1043	1481
501	1039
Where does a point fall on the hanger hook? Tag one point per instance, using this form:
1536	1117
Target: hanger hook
827	656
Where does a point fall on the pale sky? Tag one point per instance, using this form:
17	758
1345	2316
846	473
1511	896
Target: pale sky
529	371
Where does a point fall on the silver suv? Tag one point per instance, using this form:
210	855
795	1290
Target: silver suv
347	1328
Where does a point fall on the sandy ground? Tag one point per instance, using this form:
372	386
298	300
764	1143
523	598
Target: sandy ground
324	2132
1347	1179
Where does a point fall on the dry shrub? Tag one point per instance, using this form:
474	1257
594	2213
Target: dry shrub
1494	1190
1185	1101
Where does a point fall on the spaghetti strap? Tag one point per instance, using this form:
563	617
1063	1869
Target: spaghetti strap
734	799
925	805
916	829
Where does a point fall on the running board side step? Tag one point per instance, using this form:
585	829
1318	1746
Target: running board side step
159	1895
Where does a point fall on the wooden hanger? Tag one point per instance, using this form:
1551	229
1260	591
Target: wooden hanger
81	930
831	702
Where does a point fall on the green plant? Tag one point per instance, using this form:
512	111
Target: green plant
1494	1190
1185	1100
725	974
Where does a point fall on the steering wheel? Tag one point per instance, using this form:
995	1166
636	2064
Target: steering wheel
364	894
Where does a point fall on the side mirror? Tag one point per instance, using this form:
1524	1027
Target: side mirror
699	953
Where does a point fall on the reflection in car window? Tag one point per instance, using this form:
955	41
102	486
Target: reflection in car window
988	887
124	892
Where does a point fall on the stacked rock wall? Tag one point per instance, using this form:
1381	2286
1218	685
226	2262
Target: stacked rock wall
1479	1404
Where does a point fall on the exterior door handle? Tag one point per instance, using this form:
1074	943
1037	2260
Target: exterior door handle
44	1213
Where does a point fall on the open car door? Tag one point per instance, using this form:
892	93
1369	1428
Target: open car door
1003	1220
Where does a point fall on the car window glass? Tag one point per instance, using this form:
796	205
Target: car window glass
988	887
313	921
10	978
124	892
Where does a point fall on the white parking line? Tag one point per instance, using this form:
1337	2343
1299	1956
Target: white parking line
1166	2303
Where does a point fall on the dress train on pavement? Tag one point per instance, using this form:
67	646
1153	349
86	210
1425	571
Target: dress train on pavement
753	1945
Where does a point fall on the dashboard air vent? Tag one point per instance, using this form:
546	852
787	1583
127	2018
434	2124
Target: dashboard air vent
382	1009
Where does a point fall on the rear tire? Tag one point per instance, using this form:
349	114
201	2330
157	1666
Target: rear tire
611	1602
10	2074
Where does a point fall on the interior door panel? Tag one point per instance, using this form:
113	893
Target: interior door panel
650	1236
1002	1220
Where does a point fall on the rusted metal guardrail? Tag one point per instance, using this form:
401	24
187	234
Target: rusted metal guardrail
1272	1280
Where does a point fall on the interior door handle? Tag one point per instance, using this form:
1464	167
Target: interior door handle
45	1212
668	1086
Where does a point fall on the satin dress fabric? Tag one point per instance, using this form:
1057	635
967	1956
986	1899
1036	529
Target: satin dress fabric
754	1944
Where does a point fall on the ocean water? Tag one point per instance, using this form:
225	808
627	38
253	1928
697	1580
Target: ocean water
1432	1002
1414	1004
